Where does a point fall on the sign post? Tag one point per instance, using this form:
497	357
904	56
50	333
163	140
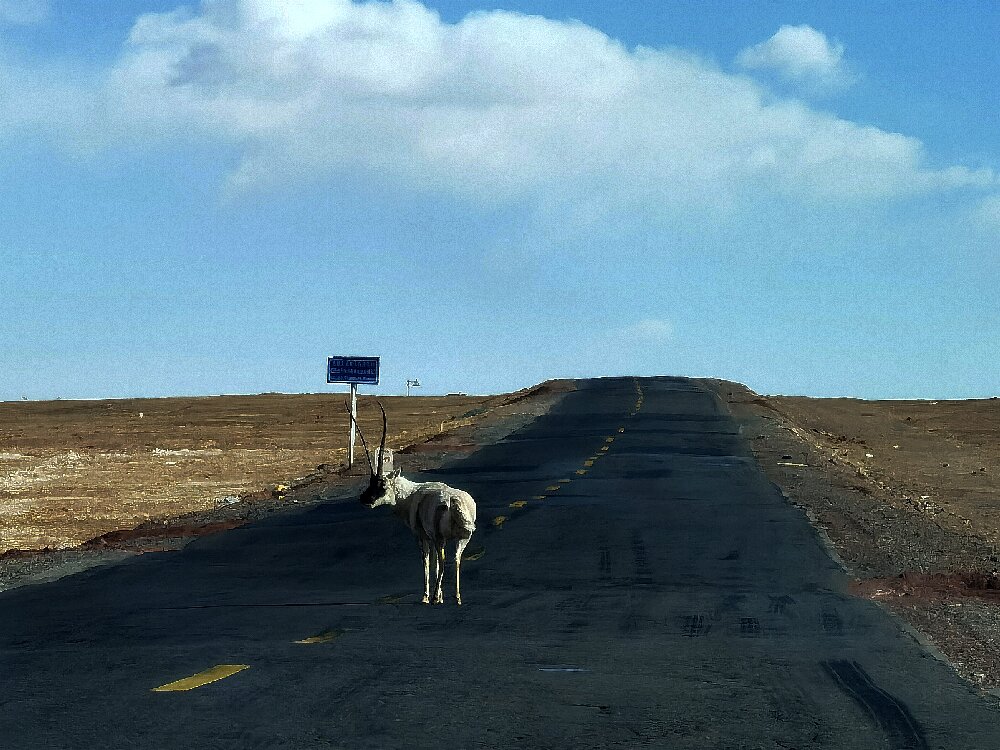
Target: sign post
354	422
353	370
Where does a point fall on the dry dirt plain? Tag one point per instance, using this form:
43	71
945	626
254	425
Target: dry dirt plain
907	494
73	470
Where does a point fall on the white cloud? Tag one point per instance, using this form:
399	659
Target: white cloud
497	107
803	55
648	330
605	351
24	12
987	213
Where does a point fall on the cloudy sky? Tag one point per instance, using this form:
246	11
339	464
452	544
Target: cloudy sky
213	197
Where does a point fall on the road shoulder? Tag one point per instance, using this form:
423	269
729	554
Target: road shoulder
939	579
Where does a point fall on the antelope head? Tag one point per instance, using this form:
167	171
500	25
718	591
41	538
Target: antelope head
380	490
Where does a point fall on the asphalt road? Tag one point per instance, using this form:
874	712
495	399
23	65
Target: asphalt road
659	593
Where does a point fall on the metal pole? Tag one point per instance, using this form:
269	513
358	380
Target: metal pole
354	417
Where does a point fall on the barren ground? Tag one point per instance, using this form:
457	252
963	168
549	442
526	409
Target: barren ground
88	482
907	493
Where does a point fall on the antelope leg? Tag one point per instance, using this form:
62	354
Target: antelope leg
459	549
439	587
426	548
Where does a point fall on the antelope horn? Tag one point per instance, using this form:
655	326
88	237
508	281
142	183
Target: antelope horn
385	428
368	456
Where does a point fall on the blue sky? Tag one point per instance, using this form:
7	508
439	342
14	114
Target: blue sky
213	197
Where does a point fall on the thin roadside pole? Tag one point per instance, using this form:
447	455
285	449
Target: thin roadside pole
354	418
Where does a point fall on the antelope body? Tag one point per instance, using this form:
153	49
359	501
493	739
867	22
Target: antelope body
435	513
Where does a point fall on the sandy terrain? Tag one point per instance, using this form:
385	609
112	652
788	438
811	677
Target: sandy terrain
907	495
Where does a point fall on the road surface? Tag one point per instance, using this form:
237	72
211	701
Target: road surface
635	582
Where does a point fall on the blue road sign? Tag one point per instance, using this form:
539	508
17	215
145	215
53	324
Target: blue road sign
362	370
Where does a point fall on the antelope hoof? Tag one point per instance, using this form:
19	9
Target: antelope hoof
425	600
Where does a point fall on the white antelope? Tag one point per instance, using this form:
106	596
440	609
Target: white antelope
435	513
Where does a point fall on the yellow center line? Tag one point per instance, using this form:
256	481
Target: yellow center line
604	448
499	521
565	481
538	497
621	430
581	472
609	440
518	503
589	462
325	637
218	672
553	487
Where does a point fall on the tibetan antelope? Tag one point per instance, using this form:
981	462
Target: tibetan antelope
435	513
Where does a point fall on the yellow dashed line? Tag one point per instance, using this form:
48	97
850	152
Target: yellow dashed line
518	503
218	672
565	481
538	497
589	462
581	472
553	487
609	440
499	521
325	637
604	448
621	430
